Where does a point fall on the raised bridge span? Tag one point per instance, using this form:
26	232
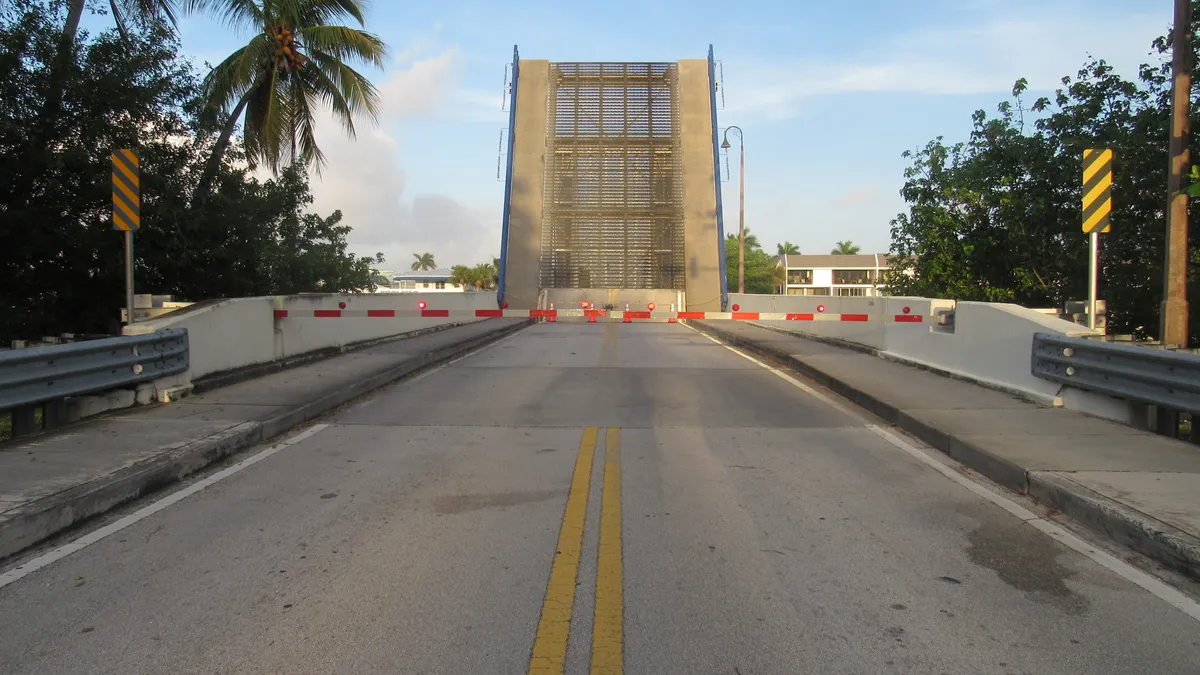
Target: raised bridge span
612	181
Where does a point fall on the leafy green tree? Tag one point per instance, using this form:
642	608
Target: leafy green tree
787	248
845	248
423	262
759	266
66	273
297	60
997	217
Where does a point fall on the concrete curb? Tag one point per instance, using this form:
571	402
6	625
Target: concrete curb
1143	533
1168	545
36	521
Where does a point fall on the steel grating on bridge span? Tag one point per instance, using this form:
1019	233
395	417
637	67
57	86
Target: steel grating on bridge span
613	204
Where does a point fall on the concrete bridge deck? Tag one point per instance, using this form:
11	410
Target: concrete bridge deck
604	494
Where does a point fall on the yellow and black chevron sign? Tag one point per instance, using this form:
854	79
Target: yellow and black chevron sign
1097	190
127	191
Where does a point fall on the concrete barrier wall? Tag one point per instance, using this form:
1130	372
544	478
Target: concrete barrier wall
990	343
226	335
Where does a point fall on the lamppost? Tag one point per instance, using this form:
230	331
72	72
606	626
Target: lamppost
741	206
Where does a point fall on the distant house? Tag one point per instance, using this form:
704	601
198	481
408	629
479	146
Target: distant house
428	281
834	275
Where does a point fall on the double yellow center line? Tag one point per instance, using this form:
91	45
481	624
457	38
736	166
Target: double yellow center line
550	646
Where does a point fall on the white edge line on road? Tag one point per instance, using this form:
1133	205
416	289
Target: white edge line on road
31	566
1159	589
1155	587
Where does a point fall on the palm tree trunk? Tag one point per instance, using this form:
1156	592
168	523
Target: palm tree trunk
62	60
214	162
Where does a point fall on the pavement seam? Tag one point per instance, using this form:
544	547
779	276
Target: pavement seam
42	518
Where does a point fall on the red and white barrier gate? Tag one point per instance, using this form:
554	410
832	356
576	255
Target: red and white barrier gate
591	314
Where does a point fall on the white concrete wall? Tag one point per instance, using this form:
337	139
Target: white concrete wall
991	343
239	332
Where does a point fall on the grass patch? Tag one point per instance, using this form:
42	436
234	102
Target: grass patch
6	423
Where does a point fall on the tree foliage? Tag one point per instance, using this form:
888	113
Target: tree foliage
481	277
998	216
846	248
297	60
423	262
63	268
760	268
787	248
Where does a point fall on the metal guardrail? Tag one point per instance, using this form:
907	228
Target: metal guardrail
42	374
1167	380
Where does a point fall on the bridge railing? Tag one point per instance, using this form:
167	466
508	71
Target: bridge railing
1168	380
47	376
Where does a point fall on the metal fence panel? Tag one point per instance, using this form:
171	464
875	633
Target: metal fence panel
1166	379
613	202
41	374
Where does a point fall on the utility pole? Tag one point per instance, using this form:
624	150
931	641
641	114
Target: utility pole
1174	312
741	207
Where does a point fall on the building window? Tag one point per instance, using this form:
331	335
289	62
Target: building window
441	285
801	277
808	291
850	292
852	276
408	285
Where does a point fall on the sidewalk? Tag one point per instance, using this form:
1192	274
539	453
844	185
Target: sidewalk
51	482
1140	489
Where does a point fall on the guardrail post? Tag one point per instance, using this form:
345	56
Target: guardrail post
1167	423
24	420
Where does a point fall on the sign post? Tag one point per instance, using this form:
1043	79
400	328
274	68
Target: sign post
127	202
1097	211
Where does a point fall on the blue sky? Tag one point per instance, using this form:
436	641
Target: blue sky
829	95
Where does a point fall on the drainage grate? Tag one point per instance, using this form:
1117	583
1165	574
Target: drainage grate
613	210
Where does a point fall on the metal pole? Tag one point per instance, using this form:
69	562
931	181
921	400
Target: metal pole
742	219
129	277
1093	274
1174	327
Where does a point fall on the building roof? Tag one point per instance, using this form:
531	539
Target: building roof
842	262
424	275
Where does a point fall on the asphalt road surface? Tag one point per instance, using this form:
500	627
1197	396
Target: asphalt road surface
601	498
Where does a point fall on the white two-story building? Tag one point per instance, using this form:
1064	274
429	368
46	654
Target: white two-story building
834	275
427	281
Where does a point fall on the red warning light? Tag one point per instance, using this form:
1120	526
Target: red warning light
421	305
504	305
820	308
652	307
907	310
737	308
583	305
341	305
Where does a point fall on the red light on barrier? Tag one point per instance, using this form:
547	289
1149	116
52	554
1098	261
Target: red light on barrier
504	305
583	305
820	308
737	308
907	310
652	307
341	305
421	305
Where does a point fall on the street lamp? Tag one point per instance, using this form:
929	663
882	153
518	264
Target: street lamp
741	206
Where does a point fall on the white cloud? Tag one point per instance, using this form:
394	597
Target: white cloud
364	177
985	58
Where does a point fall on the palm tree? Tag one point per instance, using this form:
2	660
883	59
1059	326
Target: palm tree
423	262
845	248
295	61
787	248
751	239
141	11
